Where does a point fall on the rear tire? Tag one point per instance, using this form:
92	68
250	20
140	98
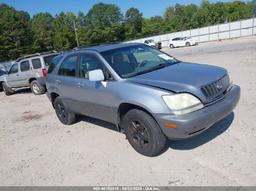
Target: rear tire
65	116
188	44
7	90
36	88
143	133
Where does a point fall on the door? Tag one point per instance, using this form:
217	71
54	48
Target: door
182	41
25	73
13	76
65	81
94	98
176	42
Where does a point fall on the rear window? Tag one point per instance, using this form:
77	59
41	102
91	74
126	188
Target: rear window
36	63
54	63
48	59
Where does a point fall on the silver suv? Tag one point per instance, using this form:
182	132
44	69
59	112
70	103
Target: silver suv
148	94
28	71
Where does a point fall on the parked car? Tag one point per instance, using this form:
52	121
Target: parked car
149	95
152	43
27	71
182	41
2	72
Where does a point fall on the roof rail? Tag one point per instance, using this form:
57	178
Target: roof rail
36	54
87	46
92	45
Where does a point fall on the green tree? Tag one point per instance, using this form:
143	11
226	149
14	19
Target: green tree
43	32
133	23
102	24
239	10
153	26
181	17
15	33
64	35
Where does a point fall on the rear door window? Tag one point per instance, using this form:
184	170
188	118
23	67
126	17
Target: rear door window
68	67
54	63
24	66
36	63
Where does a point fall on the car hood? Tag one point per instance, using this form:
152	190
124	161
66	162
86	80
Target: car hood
182	77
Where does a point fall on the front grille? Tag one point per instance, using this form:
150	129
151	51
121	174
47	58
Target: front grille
216	89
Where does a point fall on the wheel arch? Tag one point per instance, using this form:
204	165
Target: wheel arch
125	107
31	80
53	96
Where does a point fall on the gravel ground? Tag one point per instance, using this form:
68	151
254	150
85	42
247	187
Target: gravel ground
36	149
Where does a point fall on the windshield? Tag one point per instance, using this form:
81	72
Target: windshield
2	72
136	60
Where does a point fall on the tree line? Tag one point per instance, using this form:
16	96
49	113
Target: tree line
21	34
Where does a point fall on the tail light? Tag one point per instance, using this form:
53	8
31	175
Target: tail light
44	73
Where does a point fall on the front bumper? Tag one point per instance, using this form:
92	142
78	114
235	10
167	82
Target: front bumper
196	122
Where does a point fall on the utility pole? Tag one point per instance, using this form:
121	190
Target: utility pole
77	42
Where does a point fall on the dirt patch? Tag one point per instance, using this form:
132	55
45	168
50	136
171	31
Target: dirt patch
29	116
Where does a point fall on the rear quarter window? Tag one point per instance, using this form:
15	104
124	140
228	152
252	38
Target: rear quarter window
36	63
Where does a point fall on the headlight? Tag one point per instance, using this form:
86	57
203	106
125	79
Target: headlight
182	103
230	82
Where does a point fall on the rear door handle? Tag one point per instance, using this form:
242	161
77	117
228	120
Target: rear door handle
58	82
80	85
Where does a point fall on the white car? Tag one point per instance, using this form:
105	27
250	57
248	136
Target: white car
182	41
152	43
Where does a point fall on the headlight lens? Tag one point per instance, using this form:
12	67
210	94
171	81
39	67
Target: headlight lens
182	103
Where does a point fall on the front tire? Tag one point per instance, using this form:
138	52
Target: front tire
36	88
65	116
188	44
7	90
171	46
143	133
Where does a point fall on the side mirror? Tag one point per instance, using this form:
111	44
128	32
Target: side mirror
96	75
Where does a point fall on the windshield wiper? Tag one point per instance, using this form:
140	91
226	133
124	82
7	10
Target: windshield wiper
157	67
